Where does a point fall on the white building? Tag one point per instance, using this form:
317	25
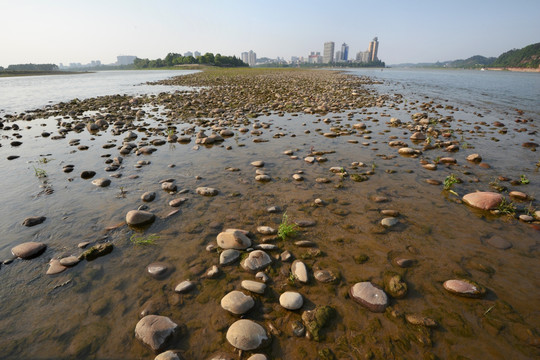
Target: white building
328	54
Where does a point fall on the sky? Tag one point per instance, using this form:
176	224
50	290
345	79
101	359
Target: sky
409	31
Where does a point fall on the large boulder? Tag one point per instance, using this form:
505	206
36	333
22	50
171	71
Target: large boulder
484	200
155	330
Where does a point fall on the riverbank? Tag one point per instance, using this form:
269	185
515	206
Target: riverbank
342	199
39	73
514	69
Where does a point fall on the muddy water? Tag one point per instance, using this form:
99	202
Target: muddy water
94	314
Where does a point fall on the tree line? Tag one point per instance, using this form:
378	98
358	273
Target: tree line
173	59
31	67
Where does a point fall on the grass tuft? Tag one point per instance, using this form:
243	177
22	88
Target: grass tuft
286	230
143	240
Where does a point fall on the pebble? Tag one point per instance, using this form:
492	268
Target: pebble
325	276
404	262
258	163
177	202
167	355
518	195
431	167
101	182
169	186
148	196
263	178
370	296
228	256
247	335
300	272
206	191
464	287
155	330
55	267
483	200
499	243
417	319
256	260
305	223
262	276
184	286
69	261
389	212
298	177
291	300
34	220
475	158
433	181
139	217
237	302
88	174
257	357
253	286
28	250
526	218
158	270
213	272
96	251
389	222
266	230
233	239
286	256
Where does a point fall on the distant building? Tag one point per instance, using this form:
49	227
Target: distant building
344	52
125	59
95	63
315	58
338	56
188	53
252	58
196	54
373	48
328	54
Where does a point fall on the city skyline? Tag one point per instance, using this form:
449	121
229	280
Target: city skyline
417	31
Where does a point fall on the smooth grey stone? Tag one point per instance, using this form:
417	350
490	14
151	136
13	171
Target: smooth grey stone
237	302
155	330
253	286
300	272
228	256
184	286
247	335
369	296
28	250
256	260
291	300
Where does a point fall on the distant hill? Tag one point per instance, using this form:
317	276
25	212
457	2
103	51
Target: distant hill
528	57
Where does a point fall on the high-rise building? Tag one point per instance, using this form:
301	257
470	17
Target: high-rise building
252	58
188	53
196	54
244	57
125	59
373	48
315	58
344	52
328	54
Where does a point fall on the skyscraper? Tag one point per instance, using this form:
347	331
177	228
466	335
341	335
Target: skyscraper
249	58
344	52
328	54
373	48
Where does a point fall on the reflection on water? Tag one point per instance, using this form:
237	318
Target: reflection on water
90	310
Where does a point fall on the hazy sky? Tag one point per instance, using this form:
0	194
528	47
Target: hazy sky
64	31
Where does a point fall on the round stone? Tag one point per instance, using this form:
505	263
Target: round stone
484	200
88	174
291	300
28	250
325	276
69	261
499	243
148	196
233	239
206	191
258	163
253	286
256	260
169	186
167	355
266	230
228	256
158	270
247	335
237	302
155	330
464	287
475	158
177	202
370	296
101	182
139	217
34	220
389	222
299	270
263	178
184	286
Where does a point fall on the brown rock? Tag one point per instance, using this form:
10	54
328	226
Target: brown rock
484	200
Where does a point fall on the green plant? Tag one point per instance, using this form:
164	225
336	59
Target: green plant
170	132
530	210
143	240
40	173
523	179
44	160
123	192
285	229
507	208
449	181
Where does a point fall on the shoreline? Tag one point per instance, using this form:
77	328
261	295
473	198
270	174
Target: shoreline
4	74
514	69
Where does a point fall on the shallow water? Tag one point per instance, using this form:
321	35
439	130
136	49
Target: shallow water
94	315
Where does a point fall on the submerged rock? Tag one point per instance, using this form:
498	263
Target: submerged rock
139	217
464	287
96	251
484	200
247	335
370	296
155	330
34	220
395	286
206	191
28	250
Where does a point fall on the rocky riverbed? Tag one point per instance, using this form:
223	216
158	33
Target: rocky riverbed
270	214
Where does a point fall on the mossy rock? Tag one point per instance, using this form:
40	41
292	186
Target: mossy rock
394	285
315	320
96	251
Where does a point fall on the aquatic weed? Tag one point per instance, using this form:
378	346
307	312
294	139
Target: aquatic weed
286	229
40	173
523	179
506	207
449	181
143	240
